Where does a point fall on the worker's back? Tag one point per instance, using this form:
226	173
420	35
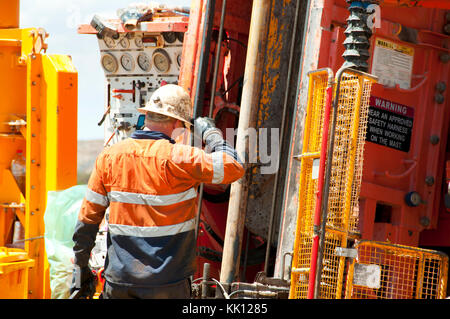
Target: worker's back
150	185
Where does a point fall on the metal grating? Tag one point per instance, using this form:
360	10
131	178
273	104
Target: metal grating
331	279
318	82
346	170
399	272
381	270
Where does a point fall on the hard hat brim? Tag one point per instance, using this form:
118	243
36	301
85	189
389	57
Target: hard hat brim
157	111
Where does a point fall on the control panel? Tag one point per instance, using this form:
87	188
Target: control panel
135	65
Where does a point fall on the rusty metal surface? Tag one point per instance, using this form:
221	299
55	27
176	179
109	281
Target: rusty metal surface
395	169
309	62
270	111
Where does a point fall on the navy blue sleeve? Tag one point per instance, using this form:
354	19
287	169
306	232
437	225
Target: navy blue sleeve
84	238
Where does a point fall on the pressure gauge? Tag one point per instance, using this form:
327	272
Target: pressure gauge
169	37
127	62
110	43
179	60
161	60
124	43
138	42
144	62
180	36
109	63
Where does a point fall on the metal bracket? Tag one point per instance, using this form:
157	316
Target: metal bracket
39	37
317	230
346	252
313	155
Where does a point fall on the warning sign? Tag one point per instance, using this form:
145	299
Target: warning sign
390	124
392	63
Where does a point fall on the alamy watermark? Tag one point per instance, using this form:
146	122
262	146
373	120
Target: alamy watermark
262	147
374	18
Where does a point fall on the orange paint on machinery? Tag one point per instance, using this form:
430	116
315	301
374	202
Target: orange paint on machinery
405	152
38	116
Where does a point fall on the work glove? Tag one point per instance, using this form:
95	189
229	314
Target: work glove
204	127
83	280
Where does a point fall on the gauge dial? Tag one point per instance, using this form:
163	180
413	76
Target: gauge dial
169	37
144	62
179	60
161	60
180	36
109	63
138	42
110	43
124	43
127	62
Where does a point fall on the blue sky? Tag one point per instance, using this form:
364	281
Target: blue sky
61	19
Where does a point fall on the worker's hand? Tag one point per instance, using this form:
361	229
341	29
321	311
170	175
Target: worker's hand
83	280
204	126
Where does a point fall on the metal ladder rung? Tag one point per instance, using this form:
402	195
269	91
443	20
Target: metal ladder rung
300	270
312	155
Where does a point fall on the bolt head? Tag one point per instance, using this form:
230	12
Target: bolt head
444	57
429	180
439	98
434	139
425	221
441	86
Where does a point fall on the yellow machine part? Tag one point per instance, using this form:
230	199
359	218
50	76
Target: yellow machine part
347	165
380	270
14	266
9	16
39	116
346	169
399	272
318	82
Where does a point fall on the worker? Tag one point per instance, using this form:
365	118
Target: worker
149	182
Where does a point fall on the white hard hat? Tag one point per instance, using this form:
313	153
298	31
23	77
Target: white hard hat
170	100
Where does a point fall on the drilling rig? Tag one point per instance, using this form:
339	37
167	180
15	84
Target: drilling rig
351	201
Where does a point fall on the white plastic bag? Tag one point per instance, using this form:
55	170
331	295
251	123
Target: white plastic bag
60	219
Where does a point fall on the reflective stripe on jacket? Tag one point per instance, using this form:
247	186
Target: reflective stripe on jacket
150	186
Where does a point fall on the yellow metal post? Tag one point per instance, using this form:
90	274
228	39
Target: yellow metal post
34	187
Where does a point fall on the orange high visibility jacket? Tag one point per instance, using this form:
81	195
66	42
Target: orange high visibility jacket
149	183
